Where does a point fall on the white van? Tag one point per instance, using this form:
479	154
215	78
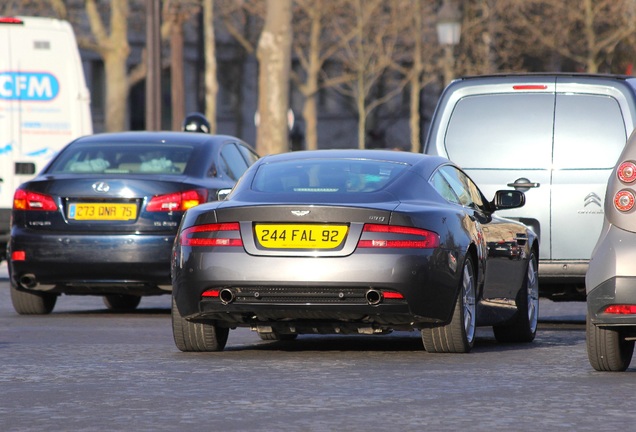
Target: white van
44	101
554	136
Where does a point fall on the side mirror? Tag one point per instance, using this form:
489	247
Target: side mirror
508	199
221	194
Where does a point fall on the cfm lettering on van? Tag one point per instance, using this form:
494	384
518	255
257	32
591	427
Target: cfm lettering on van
28	86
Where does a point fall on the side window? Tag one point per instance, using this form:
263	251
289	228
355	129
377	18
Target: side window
451	182
442	187
232	162
249	155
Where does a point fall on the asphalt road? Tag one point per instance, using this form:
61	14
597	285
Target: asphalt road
83	368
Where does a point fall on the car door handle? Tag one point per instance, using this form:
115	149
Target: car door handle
523	183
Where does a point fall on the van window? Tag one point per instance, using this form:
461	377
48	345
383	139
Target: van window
501	131
589	132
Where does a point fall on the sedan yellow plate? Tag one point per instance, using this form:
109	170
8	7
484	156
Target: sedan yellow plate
300	236
102	211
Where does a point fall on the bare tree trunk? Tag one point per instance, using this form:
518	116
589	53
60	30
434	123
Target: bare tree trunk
114	49
590	37
116	89
211	83
361	80
177	88
310	112
274	57
416	76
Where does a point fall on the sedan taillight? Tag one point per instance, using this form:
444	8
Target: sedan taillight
27	200
178	201
621	309
218	234
393	236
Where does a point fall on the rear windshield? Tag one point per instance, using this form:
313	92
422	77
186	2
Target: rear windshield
515	131
123	158
326	175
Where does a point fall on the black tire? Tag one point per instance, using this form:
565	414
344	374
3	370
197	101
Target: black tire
190	336
458	336
607	349
32	302
121	302
275	336
523	328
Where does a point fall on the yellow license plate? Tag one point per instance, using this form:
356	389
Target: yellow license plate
297	236
102	211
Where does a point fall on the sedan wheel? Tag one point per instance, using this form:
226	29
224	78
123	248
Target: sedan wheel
607	348
32	303
194	336
524	326
458	336
121	302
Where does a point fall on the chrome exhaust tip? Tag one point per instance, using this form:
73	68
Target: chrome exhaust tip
373	297
227	296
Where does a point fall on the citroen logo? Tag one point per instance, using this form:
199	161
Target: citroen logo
101	187
300	212
592	198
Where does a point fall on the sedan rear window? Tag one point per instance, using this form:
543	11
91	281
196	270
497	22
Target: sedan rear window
326	175
122	159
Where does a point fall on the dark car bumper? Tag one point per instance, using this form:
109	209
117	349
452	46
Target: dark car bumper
5	217
314	291
91	264
619	290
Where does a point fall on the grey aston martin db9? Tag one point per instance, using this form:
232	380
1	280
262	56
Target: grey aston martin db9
354	241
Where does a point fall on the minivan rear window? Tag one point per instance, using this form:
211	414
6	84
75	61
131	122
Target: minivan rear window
501	130
589	132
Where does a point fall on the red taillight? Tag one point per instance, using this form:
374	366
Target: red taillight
221	234
423	239
530	87
10	20
178	201
624	200
211	293
18	256
27	200
621	309
392	295
626	172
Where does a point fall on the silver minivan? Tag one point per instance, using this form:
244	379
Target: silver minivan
554	136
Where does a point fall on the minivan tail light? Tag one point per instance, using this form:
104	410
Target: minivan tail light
530	87
624	200
626	172
178	201
217	234
10	20
395	236
27	200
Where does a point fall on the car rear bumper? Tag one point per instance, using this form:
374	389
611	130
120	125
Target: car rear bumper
136	264
316	290
5	217
618	290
